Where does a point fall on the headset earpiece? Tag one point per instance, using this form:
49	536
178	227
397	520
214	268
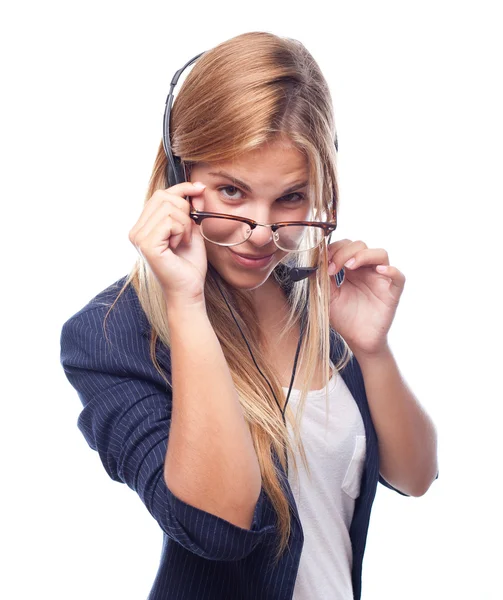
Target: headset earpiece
174	172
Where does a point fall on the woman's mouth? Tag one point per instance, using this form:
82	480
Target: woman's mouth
251	261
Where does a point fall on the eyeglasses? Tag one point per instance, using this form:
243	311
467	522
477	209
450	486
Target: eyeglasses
291	236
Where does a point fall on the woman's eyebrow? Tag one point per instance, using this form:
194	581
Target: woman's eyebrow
246	187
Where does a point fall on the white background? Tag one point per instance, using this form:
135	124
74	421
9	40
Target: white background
417	95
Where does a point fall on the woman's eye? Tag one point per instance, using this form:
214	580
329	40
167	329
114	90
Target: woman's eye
229	192
232	190
292	199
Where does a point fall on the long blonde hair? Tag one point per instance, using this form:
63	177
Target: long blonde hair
245	92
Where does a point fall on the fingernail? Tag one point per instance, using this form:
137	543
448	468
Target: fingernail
350	262
198	185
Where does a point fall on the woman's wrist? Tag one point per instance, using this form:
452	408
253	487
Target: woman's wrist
185	309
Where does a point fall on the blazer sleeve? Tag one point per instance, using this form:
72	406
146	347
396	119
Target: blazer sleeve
388	485
126	418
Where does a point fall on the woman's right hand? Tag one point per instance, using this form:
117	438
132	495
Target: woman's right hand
172	244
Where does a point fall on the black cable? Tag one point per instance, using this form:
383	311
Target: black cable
302	327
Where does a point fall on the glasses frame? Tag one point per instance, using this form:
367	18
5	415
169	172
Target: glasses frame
199	216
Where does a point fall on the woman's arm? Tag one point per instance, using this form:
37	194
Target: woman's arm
126	418
407	436
210	460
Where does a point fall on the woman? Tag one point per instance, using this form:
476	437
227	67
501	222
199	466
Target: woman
233	337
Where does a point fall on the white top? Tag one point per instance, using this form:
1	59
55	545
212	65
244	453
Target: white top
336	457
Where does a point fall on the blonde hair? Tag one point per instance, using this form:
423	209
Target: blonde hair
248	91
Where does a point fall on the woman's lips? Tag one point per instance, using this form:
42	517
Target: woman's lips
252	263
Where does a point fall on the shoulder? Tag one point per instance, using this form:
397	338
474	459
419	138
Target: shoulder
122	311
111	331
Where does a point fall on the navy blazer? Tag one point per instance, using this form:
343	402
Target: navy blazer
126	419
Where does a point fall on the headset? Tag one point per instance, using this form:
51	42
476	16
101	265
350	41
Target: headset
175	174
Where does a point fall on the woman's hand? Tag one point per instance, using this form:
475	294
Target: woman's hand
171	243
364	306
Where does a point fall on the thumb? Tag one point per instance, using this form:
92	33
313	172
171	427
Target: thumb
198	202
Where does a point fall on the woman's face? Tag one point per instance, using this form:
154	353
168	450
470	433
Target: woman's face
268	185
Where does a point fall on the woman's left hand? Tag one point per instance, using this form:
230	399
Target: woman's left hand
364	306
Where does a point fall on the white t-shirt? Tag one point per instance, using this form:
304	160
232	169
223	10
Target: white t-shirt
336	457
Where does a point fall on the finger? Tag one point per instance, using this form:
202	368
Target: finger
198	202
335	246
160	238
166	213
397	279
195	199
344	248
186	188
182	216
159	197
365	258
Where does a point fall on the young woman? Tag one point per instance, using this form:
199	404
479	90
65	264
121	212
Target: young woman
239	380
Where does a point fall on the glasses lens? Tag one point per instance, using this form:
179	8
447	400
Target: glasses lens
225	232
292	238
296	238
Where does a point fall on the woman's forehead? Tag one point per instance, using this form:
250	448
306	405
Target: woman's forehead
263	166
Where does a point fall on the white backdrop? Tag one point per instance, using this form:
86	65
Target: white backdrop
417	95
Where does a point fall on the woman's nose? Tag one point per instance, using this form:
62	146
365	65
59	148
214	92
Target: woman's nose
261	236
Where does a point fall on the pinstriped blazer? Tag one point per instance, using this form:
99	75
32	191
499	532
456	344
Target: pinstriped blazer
126	418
